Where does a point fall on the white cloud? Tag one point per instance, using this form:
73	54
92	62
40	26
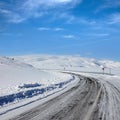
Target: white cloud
114	19
44	28
69	36
35	4
12	16
33	7
36	8
16	18
98	34
52	29
3	11
71	19
108	4
58	29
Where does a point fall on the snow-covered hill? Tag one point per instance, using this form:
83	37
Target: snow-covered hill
71	63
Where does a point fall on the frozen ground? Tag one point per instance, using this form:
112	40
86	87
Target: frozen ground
81	92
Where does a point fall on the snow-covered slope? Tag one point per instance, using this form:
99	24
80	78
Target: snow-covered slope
19	80
71	63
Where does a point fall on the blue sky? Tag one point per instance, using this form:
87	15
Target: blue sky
88	28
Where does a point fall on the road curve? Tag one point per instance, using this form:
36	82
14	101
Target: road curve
88	100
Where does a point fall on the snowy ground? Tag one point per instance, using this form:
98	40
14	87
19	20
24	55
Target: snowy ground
26	81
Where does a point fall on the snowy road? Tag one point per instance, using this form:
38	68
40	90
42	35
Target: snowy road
90	99
82	102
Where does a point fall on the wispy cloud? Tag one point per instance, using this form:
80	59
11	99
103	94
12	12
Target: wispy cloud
24	10
114	18
16	18
58	29
12	16
68	36
35	4
98	34
4	11
50	29
71	19
44	7
38	8
44	28
108	4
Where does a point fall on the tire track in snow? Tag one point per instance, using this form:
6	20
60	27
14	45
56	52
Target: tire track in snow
72	105
91	110
110	102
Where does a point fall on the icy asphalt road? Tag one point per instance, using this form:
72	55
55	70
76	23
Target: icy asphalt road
90	99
